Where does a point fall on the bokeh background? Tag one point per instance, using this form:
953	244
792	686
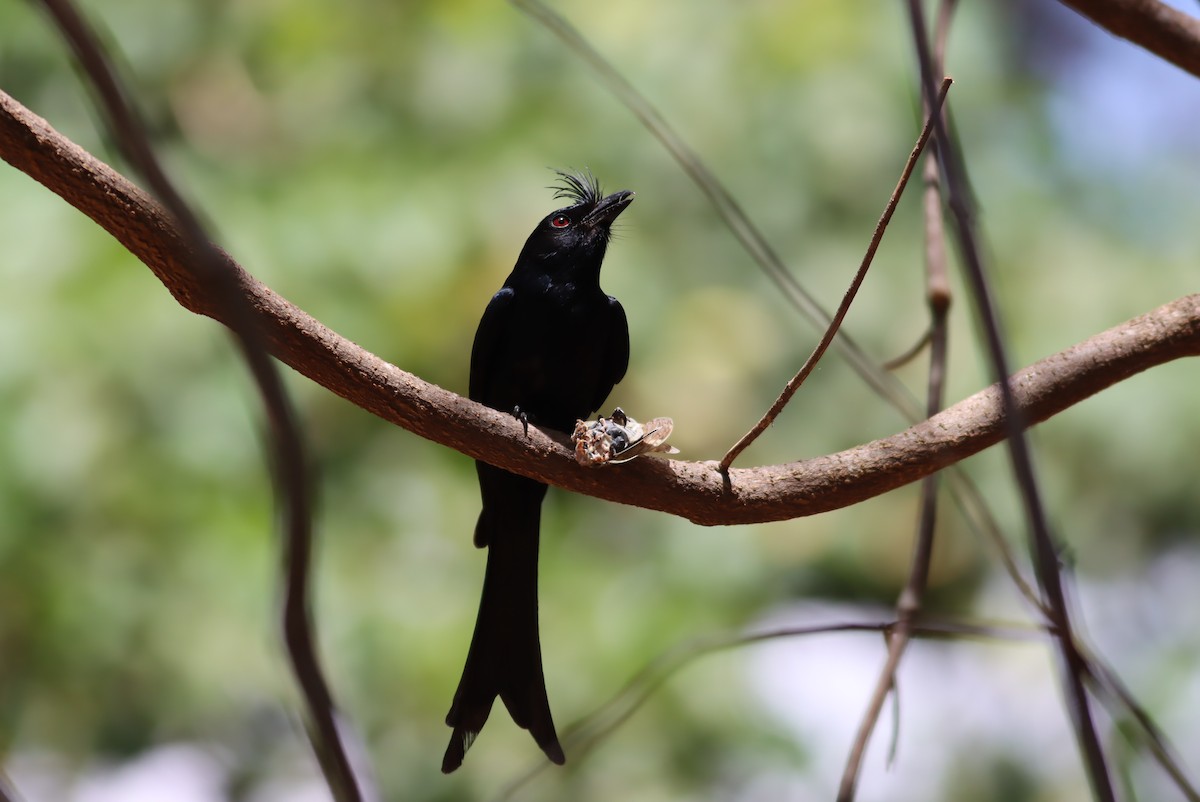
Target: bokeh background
380	164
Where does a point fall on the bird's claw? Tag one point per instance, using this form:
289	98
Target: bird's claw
523	417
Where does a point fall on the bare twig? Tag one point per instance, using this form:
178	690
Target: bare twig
586	734
693	490
876	237
287	455
1041	542
1109	686
908	354
938	299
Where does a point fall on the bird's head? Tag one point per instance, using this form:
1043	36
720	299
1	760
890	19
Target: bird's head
578	234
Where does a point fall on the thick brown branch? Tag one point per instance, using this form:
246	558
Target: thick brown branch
1165	31
693	490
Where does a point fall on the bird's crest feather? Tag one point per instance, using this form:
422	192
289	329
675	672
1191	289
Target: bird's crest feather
582	188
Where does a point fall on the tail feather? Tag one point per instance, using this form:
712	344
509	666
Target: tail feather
505	658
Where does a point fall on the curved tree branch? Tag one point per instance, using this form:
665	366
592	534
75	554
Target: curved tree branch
1167	32
693	490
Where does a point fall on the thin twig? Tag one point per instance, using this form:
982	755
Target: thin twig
593	728
287	456
1109	684
908	354
1041	543
909	604
876	237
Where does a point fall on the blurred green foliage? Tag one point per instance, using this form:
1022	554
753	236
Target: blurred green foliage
380	165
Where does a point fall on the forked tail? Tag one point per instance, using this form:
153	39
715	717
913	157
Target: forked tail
505	658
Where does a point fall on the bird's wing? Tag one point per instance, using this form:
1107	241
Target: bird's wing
616	359
488	341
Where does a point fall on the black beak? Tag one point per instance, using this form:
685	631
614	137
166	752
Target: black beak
608	208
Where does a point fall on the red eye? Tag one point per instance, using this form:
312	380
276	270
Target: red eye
560	221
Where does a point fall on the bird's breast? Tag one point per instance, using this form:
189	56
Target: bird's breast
556	355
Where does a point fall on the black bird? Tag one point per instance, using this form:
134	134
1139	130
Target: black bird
549	348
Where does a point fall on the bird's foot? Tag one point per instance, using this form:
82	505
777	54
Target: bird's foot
523	417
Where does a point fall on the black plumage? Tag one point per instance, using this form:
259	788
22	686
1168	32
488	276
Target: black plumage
549	348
